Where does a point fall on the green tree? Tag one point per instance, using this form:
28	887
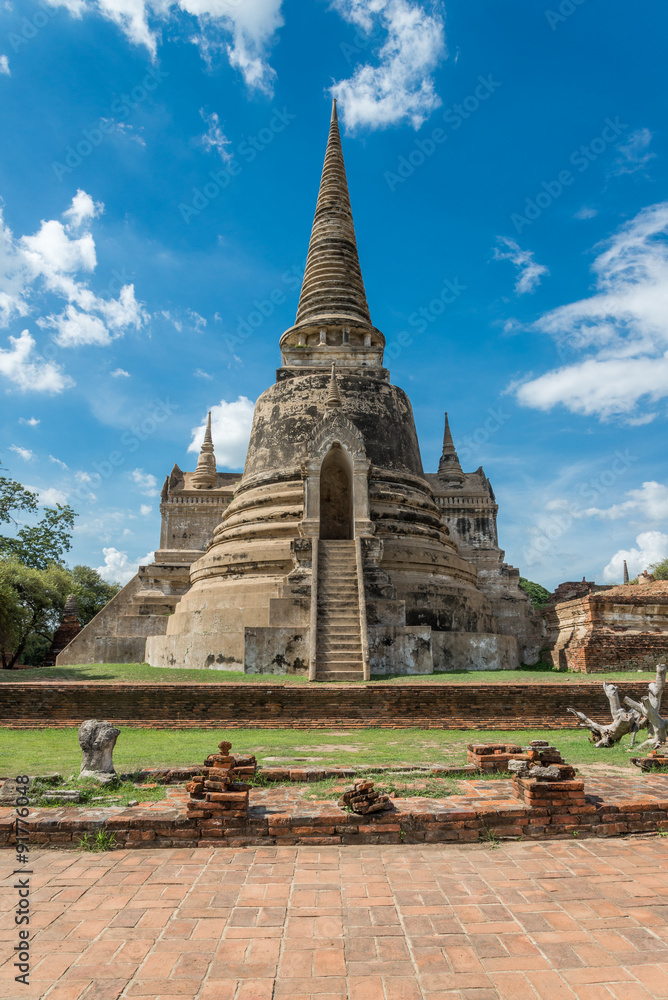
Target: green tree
36	545
660	570
538	595
31	602
91	592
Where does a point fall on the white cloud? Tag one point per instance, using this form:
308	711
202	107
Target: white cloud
118	568
74	328
651	547
145	482
24	453
530	273
214	138
120	373
145	509
230	428
14	276
29	372
29	421
586	212
4	66
198	322
633	155
82	209
51	253
244	29
198	373
649	504
176	323
622	329
52	260
57	461
399	87
50	496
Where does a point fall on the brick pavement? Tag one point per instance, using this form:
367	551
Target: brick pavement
553	920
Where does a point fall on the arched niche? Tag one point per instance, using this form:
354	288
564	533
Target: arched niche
336	495
337	442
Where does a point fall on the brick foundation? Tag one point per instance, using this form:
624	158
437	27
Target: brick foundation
276	706
280	817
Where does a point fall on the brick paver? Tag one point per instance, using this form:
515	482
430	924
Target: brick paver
557	920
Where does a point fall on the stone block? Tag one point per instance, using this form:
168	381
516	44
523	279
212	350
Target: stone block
276	650
474	651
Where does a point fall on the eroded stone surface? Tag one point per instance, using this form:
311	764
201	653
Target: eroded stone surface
97	741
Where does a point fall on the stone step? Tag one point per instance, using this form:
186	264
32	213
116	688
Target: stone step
330	646
347	610
339	632
339	642
328	641
338	676
342	662
350	622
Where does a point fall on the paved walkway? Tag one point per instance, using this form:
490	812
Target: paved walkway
543	921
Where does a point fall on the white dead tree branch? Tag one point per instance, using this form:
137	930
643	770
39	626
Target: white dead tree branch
650	708
623	721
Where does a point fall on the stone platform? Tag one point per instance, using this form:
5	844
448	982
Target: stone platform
281	816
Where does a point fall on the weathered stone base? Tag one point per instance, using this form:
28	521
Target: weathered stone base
197	652
474	651
280	817
400	650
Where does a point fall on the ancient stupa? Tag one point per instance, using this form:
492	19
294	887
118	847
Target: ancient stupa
334	554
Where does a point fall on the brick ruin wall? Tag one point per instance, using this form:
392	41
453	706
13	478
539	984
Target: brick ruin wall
621	629
274	706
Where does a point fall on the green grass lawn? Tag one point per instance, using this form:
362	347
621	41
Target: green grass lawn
43	751
117	794
403	786
129	673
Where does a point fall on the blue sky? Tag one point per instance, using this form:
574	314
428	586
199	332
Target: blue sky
506	164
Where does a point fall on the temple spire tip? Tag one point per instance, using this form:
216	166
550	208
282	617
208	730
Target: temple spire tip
449	469
205	475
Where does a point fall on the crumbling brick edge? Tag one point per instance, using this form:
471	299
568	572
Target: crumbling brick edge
571	814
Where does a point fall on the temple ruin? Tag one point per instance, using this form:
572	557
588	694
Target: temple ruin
334	554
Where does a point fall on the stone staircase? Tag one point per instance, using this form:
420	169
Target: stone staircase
339	654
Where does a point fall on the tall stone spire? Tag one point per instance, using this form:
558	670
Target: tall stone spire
204	477
333	321
333	289
626	572
449	469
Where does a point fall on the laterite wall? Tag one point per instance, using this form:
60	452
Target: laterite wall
226	705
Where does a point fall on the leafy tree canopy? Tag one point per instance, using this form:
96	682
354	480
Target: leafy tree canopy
537	593
36	545
91	591
660	570
31	601
33	582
